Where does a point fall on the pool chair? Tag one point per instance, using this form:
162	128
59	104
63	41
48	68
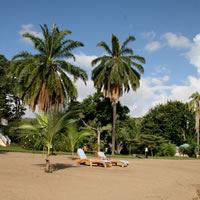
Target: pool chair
84	160
122	163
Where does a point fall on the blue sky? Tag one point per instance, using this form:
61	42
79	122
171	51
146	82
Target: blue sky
167	35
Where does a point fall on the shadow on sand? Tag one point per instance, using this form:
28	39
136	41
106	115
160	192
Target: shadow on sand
3	152
57	166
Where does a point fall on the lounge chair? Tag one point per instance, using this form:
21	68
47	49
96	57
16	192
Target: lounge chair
122	163
84	160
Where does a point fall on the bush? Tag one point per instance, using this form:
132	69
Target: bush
167	150
190	150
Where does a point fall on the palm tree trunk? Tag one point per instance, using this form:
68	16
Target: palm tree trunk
197	131
48	165
114	125
98	141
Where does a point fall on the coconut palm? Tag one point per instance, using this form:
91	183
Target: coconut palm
45	77
74	137
96	126
117	72
194	106
44	129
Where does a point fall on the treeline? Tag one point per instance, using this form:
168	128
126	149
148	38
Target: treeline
162	129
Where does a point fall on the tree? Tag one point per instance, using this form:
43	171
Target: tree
127	131
117	72
194	106
151	141
97	114
173	121
98	129
44	78
44	129
11	107
73	137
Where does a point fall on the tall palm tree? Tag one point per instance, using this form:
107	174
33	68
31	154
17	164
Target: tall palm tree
117	72
194	106
45	77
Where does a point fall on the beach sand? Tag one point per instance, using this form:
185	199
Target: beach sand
22	177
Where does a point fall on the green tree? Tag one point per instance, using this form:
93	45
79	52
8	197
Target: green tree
11	107
117	72
44	130
97	115
44	78
153	143
127	131
194	106
173	121
96	126
99	108
73	137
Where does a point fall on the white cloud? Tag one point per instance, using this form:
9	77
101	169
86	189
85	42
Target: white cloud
28	28
153	46
84	61
153	92
194	53
149	35
85	90
177	41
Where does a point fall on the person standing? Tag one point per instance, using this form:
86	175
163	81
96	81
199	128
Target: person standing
146	152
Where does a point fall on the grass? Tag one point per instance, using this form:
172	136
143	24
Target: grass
17	148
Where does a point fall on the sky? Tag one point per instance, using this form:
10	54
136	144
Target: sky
167	36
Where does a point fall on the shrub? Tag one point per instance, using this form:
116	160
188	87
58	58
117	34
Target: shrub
190	150
167	150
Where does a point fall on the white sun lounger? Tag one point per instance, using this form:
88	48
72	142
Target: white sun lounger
84	160
123	163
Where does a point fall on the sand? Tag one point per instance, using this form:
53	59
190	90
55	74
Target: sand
22	177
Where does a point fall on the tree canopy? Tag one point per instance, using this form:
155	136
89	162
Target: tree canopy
173	121
44	78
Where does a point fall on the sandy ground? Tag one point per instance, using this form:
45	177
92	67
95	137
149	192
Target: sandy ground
22	177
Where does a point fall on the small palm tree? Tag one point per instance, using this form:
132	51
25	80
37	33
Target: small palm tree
45	77
117	72
194	106
96	126
74	137
44	130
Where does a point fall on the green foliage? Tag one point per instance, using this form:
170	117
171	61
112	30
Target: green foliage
190	150
11	107
96	107
172	121
43	130
74	137
118	70
151	141
194	106
166	150
97	113
44	79
126	132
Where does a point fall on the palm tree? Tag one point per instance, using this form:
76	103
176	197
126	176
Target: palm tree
45	77
44	129
96	126
117	72
74	137
194	106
